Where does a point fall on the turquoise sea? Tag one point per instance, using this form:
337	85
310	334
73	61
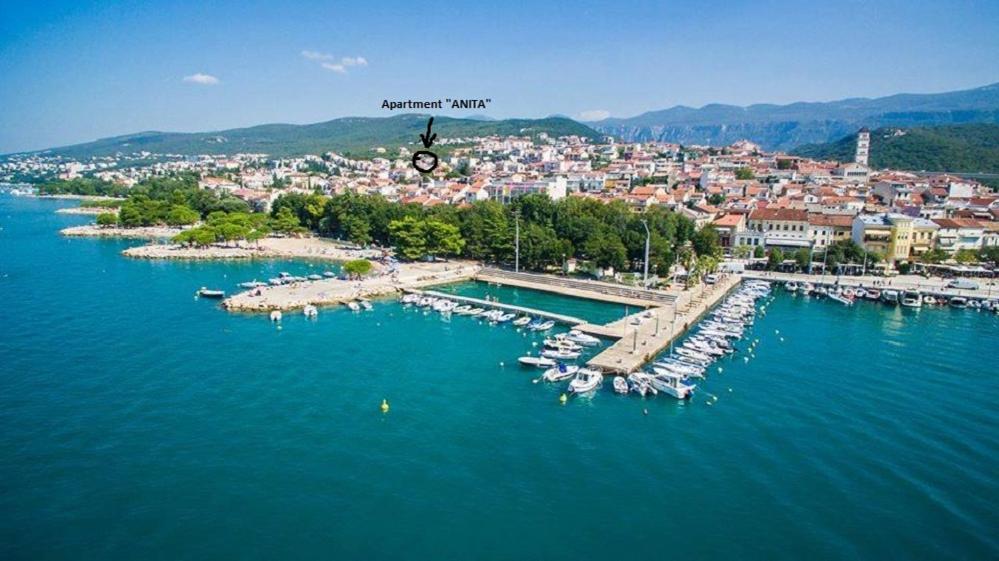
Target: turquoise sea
137	422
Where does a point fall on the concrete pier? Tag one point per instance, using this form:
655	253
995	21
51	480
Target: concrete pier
568	320
643	335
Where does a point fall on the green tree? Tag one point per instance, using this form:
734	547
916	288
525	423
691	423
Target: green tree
442	239
965	256
802	258
707	242
408	239
758	252
106	219
744	173
181	215
357	267
775	259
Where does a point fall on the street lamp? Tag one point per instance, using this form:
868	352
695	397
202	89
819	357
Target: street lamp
648	236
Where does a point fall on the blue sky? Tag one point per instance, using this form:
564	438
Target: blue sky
79	70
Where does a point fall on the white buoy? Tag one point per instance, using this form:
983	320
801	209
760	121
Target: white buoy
777	331
501	363
781	339
745	358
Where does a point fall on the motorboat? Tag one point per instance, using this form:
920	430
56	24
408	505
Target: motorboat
873	294
641	383
329	274
841	298
314	277
958	302
890	296
560	372
791	286
522	321
463	309
621	385
674	386
354	306
476	311
929	300
585	380
584	339
209	293
366	304
543	326
410	298
975	304
912	299
536	361
849	293
560	342
252	284
560	354
276	315
860	293
310	311
506	317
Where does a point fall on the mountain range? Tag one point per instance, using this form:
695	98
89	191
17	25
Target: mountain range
783	127
355	136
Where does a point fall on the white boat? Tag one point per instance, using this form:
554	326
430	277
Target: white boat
846	301
310	311
536	361
673	385
560	354
543	326
314	277
521	321
354	306
463	310
560	341
861	293
641	383
410	298
505	318
929	300
912	299
890	296
620	385
209	293
366	305
560	372
975	304
276	315
475	311
586	380
791	286
577	336
959	302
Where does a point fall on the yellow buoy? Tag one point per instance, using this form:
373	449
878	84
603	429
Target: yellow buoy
563	398
385	406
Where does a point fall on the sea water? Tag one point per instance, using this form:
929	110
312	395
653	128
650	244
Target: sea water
138	422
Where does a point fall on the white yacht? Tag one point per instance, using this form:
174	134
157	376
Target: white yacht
560	354
536	361
673	385
586	380
578	336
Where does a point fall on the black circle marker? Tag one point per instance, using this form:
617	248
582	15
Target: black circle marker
425	161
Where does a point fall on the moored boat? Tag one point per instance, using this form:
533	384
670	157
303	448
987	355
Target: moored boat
585	380
536	361
209	293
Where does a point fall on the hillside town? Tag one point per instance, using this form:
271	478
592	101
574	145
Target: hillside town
756	200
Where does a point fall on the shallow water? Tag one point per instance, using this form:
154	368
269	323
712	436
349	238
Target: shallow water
140	422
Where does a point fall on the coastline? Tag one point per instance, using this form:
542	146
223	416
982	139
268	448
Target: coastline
267	248
88	210
142	233
329	292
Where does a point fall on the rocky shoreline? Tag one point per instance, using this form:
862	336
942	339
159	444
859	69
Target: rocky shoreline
141	233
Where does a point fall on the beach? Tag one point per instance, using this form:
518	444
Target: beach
142	233
267	248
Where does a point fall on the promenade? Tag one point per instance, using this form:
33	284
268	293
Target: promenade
987	288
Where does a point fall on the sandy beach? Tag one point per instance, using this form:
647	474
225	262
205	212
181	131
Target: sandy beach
328	292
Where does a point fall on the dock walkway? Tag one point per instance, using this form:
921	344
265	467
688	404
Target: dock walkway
656	328
561	318
987	288
593	290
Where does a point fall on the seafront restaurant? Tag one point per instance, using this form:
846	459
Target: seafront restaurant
955	271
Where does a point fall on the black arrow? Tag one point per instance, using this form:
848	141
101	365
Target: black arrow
428	139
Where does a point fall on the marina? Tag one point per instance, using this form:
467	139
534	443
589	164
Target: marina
238	405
